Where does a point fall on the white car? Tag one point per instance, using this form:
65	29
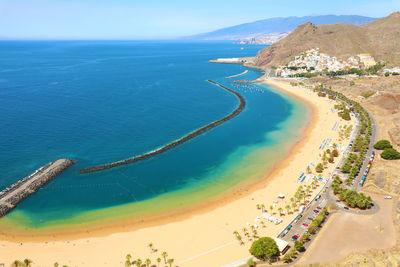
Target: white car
388	197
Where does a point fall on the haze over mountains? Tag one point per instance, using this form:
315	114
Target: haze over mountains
380	38
263	29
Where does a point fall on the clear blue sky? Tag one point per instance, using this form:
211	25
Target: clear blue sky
147	19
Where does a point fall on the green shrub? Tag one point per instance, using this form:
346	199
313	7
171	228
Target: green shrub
251	263
264	248
319	168
390	153
382	144
299	246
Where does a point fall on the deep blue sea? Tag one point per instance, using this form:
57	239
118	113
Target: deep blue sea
102	101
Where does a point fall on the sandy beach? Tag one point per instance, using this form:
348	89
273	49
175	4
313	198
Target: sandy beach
202	236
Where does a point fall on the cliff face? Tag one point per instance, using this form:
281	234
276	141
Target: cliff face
380	38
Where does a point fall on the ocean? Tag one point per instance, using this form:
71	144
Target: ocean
103	101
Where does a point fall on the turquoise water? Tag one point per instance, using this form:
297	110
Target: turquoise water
98	102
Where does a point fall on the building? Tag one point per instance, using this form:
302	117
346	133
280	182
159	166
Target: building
282	245
367	60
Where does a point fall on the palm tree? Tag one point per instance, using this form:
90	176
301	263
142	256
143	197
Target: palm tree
170	261
128	263
239	238
262	207
297	196
258	206
292	199
235	232
148	262
280	211
56	264
138	262
165	255
17	263
150	245
271	208
28	262
245	231
294	205
288	208
308	170
128	257
158	261
263	224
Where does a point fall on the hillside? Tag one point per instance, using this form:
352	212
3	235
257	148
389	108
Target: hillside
380	38
276	25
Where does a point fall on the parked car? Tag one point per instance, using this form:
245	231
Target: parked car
337	200
284	233
346	208
305	225
318	197
319	208
295	237
388	197
311	218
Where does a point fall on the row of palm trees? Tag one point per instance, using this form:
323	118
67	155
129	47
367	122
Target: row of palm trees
250	236
24	263
302	193
147	262
28	263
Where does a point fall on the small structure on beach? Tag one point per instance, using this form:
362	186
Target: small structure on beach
282	245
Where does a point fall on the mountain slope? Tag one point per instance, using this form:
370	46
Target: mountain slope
380	38
277	25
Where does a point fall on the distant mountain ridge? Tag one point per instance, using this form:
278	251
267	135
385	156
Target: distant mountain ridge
277	25
380	38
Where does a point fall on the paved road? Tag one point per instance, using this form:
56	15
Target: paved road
373	140
327	195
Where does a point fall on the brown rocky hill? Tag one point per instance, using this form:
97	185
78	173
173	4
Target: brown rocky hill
380	38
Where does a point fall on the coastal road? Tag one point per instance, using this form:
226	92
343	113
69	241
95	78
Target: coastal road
373	140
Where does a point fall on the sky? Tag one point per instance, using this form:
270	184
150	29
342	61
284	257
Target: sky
154	19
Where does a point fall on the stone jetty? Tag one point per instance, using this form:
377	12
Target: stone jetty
14	194
239	108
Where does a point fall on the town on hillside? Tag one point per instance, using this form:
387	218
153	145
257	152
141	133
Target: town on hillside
313	62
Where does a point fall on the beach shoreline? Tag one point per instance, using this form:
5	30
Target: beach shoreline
202	233
130	223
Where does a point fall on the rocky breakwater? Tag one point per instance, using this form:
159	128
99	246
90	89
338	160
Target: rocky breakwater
14	194
239	108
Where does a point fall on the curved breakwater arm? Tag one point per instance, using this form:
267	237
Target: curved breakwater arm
239	108
237	75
